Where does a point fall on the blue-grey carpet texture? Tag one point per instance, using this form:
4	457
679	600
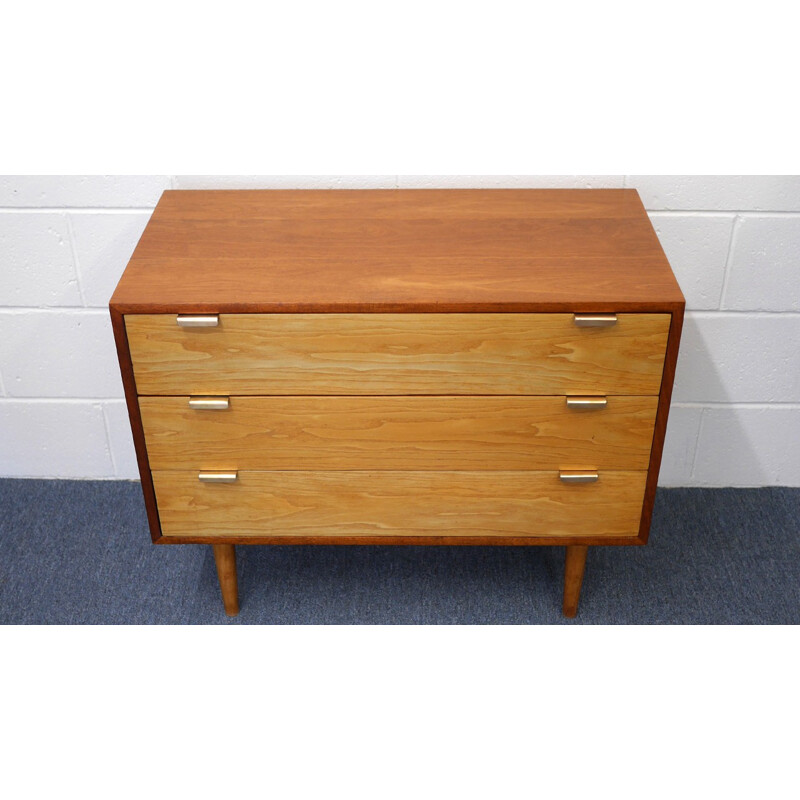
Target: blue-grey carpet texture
79	552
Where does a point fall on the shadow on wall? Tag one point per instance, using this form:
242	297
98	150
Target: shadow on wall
707	431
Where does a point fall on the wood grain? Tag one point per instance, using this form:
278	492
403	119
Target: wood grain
398	251
415	433
325	505
317	354
286	284
463	204
363	239
478	251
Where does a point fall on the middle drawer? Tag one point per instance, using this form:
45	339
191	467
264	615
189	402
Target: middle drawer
451	433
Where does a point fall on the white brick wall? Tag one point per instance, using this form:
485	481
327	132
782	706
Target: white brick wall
82	191
734	242
36	264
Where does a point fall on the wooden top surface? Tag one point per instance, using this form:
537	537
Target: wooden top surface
390	251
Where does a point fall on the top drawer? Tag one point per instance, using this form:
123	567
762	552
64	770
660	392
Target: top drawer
402	354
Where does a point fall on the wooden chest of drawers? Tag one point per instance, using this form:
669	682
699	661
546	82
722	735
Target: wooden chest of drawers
397	367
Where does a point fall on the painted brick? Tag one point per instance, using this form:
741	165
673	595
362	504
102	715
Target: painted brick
58	354
717	192
765	265
53	440
748	447
36	267
510	181
82	191
104	244
725	357
738	358
697	249
679	447
120	439
284	181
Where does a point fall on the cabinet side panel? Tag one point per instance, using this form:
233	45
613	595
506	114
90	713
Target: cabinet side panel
131	399
670	363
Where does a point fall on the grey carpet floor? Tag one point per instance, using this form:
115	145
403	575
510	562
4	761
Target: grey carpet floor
78	552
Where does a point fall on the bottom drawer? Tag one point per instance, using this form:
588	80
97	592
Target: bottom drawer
410	504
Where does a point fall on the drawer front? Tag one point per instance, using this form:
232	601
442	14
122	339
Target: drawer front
398	354
397	433
383	503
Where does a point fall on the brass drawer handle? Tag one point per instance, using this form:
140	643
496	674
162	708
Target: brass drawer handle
578	476
198	320
210	403
218	477
594	320
587	403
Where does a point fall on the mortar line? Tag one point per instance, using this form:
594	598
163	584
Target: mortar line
77	210
108	440
739	212
713	404
52	309
29	400
697	444
67	478
723	295
692	214
75	264
739	312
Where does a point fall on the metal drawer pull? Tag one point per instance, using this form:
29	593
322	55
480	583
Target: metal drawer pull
218	477
198	320
210	403
595	320
589	403
576	476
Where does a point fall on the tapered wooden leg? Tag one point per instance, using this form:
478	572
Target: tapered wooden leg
573	578
225	556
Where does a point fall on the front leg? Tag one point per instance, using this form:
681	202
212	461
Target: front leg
573	578
225	556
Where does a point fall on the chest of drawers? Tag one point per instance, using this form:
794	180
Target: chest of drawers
399	367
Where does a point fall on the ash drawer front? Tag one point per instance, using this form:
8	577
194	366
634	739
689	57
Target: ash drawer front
457	433
351	503
398	354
